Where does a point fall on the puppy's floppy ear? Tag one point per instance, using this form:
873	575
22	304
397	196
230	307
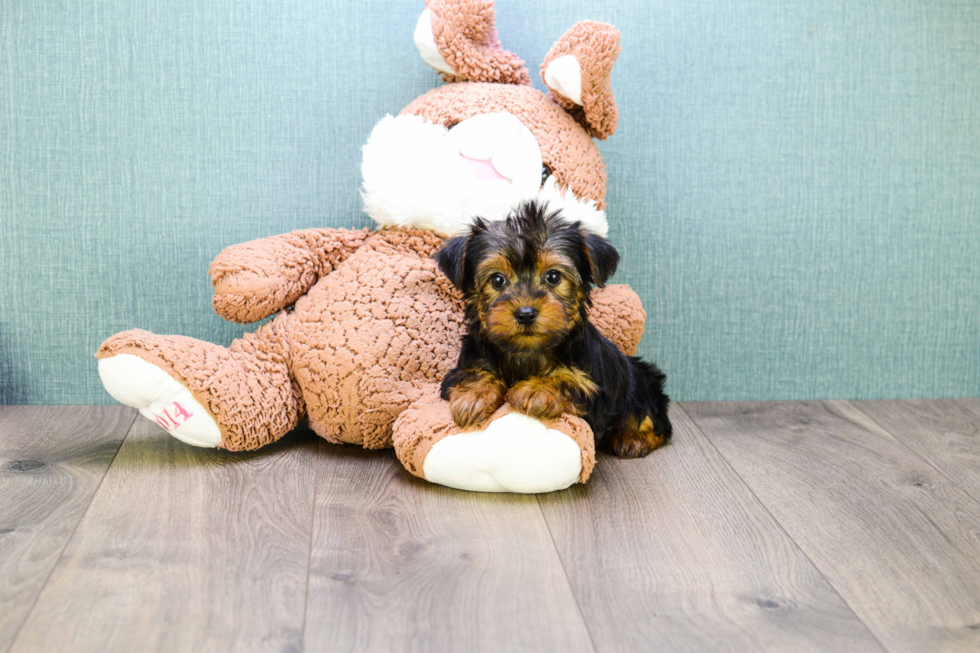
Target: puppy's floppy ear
601	258
451	259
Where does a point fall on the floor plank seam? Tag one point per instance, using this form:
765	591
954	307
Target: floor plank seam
568	581
309	554
783	529
897	440
81	518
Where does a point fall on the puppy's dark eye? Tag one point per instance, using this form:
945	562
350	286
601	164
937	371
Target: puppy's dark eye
545	173
553	277
498	281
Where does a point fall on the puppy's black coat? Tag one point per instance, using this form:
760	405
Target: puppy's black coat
527	281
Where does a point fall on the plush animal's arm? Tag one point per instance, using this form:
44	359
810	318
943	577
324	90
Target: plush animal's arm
253	280
619	315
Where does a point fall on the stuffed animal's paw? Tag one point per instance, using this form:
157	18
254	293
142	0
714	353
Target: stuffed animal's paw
515	453
135	382
512	453
246	296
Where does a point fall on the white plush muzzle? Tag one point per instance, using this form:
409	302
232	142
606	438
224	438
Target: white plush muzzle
422	175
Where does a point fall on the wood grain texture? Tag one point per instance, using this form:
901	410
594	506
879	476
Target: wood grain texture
943	432
899	541
973	403
52	459
673	552
399	564
185	549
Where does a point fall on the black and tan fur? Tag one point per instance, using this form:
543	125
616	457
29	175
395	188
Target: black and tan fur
527	281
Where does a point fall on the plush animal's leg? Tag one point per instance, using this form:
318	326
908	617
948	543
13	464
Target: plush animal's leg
237	398
513	453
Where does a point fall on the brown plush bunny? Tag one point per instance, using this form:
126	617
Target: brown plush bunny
364	326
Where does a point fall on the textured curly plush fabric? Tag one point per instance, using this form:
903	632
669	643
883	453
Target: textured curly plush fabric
596	47
466	36
565	147
368	338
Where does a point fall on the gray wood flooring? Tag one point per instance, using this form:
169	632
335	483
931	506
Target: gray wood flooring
785	526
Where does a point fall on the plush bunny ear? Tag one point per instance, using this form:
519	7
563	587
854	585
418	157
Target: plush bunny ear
459	39
577	71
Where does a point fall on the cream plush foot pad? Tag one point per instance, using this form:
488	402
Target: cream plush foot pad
134	382
514	454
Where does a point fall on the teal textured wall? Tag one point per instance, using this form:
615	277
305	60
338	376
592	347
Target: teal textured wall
795	186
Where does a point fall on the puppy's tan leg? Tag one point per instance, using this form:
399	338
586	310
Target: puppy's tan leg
565	390
474	399
630	439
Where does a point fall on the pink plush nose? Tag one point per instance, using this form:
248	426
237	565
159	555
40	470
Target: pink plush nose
483	170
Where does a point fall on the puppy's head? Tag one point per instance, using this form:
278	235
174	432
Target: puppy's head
528	278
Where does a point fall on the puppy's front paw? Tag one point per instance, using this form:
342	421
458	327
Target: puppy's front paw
472	405
537	399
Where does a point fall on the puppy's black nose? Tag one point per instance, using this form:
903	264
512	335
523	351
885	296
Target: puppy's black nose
525	315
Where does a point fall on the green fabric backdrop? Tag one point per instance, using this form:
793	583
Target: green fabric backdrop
795	186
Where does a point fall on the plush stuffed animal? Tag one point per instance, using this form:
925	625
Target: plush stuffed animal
364	325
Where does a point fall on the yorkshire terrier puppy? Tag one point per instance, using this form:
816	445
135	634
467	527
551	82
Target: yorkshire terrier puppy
527	282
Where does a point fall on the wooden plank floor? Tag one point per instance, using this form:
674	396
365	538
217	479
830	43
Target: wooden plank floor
812	526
